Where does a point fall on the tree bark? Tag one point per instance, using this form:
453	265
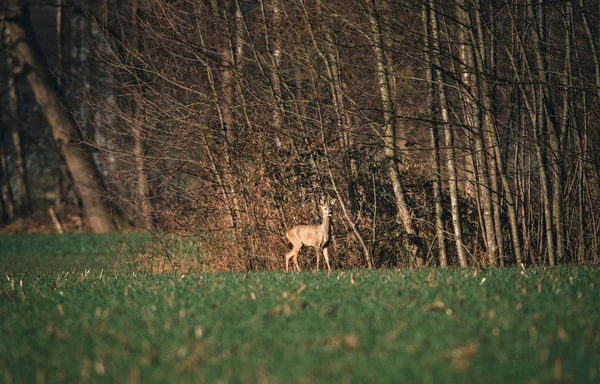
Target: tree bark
450	158
6	195
23	195
389	137
64	128
274	52
476	118
486	68
555	161
142	196
224	99
434	132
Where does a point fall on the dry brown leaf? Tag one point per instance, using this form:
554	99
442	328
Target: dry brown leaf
562	333
350	341
461	357
437	305
302	288
466	351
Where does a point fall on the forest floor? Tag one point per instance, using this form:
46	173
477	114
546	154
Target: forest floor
99	324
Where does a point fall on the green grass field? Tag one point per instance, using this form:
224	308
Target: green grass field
428	325
56	253
82	251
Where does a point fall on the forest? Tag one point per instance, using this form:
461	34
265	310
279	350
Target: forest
450	133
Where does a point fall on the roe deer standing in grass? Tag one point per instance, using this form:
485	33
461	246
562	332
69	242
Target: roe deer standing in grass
316	236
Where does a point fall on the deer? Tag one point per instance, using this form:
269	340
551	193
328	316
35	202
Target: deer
316	236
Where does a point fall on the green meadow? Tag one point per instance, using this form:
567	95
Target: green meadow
100	324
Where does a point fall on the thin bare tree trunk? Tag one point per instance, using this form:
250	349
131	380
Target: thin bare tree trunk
389	137
142	196
555	161
581	139
274	52
434	132
477	120
545	187
239	60
509	194
486	67
450	158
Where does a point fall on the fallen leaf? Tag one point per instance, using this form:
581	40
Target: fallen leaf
562	333
350	342
461	357
435	306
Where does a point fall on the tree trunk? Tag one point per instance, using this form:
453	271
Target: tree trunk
450	158
6	196
476	118
271	33
142	196
23	195
486	67
555	160
389	137
434	132
224	98
64	128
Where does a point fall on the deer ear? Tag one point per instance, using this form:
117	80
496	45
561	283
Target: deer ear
332	202
322	202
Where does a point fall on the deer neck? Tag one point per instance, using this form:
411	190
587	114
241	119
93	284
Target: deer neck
325	225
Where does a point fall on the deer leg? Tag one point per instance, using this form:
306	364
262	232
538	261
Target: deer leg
289	255
326	256
296	262
296	251
318	251
287	260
